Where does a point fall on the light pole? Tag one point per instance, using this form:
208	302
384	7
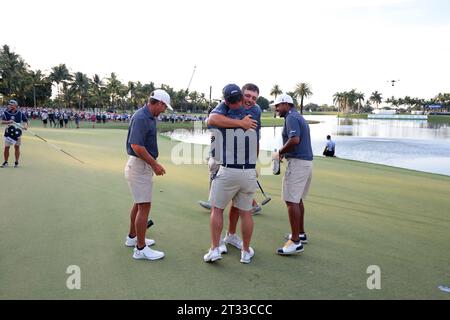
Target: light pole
34	95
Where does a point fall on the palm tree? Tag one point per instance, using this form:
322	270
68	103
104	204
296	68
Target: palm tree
97	93
443	99
148	88
293	96
115	88
302	90
392	100
60	74
338	99
140	95
275	91
23	88
13	71
8	69
360	98
68	94
376	98
37	80
80	87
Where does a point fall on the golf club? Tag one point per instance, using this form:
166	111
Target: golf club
54	146
267	199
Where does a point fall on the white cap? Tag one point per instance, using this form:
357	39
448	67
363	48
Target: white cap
162	96
283	98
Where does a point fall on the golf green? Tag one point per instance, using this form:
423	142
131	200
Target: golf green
57	212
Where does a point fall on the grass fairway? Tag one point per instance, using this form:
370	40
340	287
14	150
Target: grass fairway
56	212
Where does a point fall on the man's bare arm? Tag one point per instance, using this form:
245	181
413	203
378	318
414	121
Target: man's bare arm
221	121
290	144
142	153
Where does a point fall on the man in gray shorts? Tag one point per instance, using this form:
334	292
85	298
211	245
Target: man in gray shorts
252	121
297	178
142	148
236	151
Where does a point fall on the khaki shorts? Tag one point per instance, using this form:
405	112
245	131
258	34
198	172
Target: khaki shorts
139	176
238	185
9	144
297	180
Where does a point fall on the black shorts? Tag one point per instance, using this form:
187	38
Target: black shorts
328	153
44	121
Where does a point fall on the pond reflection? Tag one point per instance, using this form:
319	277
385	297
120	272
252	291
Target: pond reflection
411	144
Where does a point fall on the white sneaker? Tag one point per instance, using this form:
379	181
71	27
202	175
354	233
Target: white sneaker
212	255
290	248
234	240
132	242
246	256
222	247
147	253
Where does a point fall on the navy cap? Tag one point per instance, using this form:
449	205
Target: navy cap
232	93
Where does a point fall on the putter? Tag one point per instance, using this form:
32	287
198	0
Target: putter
149	223
53	145
267	199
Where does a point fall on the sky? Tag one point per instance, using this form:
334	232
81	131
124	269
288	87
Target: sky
333	45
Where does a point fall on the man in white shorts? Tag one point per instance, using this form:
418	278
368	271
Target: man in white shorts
142	148
12	134
297	178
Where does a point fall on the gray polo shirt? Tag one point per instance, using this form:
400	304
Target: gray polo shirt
296	126
142	131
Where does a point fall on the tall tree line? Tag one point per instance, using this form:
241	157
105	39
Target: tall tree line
80	91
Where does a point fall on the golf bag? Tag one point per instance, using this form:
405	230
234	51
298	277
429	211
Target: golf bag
12	134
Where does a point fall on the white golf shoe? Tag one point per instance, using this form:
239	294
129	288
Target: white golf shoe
147	253
212	255
246	256
222	247
132	242
290	247
234	240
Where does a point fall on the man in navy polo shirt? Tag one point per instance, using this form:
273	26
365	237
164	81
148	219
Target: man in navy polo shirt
218	120
297	178
10	116
142	148
236	151
250	92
